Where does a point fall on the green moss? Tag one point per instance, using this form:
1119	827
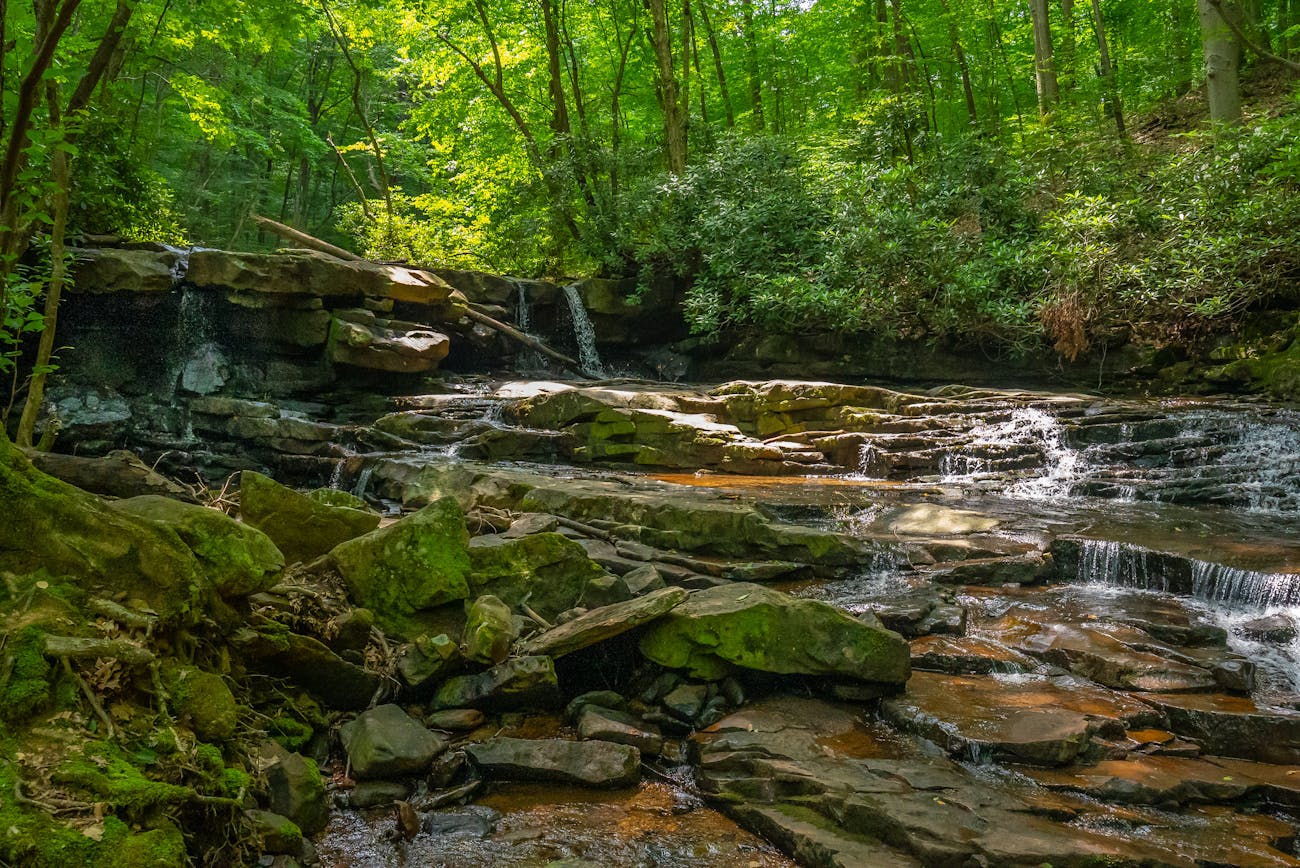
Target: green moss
27	690
35	839
418	563
235	782
102	771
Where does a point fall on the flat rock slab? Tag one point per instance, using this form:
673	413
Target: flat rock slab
1233	726
586	763
605	623
777	770
1161	780
1034	719
968	655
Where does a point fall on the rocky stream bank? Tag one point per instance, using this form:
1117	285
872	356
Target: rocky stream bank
480	620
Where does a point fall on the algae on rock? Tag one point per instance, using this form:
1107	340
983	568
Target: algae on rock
416	563
304	526
753	627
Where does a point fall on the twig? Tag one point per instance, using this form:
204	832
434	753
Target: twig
545	624
92	699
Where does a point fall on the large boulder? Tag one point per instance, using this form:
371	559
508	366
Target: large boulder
362	340
753	627
416	563
115	270
387	742
586	763
547	571
61	535
238	559
303	527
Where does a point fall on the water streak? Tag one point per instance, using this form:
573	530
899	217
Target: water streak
528	359
584	332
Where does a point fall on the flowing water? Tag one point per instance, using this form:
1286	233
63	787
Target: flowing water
584	333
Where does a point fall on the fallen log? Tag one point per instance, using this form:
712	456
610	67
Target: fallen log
118	474
469	310
116	649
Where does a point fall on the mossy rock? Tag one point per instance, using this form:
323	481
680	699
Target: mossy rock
237	558
548	571
753	627
304	526
416	563
205	699
66	535
490	629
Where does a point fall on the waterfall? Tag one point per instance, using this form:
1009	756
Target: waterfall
1217	583
1107	562
1027	435
584	332
363	481
527	359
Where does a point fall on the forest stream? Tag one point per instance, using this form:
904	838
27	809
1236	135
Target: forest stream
491	617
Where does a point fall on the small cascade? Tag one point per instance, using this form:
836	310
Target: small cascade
1030	443
527	359
1235	587
1107	562
363	481
872	463
584	332
336	475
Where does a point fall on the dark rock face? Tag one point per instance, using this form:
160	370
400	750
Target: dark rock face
587	763
521	682
386	742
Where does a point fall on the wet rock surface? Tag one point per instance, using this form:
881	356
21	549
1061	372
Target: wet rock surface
1012	670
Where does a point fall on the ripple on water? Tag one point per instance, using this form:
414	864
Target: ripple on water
656	824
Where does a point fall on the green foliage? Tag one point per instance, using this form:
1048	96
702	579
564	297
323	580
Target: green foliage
119	194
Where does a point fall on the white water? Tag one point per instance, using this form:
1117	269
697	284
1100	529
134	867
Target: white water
584	332
1028	430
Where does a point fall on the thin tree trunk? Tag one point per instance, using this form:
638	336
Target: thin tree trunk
1107	71
54	290
1182	55
717	64
751	63
1222	52
1044	65
967	90
1067	66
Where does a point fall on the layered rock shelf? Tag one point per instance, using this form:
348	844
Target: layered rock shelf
474	621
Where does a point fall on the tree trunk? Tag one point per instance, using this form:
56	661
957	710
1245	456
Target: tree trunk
717	64
967	90
1182	55
1068	56
1107	70
751	63
54	290
669	90
1222	52
1044	65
